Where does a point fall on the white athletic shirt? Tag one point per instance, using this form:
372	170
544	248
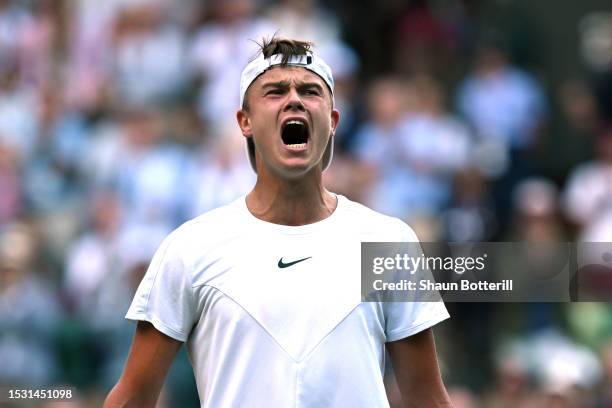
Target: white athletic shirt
259	335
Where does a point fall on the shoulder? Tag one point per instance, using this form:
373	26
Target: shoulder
364	220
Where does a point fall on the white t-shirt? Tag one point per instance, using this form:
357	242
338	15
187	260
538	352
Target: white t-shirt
263	330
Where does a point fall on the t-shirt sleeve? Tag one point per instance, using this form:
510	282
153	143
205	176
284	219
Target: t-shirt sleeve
403	319
165	296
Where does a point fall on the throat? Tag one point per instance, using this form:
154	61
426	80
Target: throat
291	209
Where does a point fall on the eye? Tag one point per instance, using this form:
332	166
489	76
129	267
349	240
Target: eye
313	91
274	92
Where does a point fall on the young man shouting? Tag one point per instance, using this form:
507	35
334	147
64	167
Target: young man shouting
265	291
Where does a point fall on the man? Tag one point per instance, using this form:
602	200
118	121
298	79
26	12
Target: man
265	291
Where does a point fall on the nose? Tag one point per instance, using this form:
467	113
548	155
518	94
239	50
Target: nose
294	101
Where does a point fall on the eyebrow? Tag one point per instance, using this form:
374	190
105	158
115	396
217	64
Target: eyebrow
287	84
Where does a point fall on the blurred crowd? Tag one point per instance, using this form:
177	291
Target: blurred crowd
117	124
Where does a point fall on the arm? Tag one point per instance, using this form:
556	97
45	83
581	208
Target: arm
150	358
417	373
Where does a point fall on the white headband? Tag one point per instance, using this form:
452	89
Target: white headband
260	65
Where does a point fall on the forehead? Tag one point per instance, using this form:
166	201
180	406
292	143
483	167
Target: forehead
289	74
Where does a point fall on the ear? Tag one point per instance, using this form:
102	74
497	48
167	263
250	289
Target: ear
244	122
335	119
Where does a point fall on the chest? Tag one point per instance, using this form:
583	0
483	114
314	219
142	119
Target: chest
296	290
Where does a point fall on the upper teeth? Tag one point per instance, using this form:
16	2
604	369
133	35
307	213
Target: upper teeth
295	122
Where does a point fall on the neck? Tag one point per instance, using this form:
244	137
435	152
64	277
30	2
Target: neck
291	202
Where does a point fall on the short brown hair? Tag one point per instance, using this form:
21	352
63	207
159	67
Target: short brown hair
284	46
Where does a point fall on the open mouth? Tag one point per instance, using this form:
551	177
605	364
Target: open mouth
295	134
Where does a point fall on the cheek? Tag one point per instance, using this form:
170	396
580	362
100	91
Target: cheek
263	114
325	123
263	128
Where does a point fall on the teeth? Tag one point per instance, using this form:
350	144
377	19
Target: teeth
296	146
295	122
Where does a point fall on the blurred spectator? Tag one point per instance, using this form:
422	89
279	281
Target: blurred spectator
595	39
435	142
49	177
10	187
19	122
507	110
564	368
89	41
350	177
512	383
149	53
145	169
15	18
544	369
66	138
579	105
29	312
588	194
37	43
220	173
377	141
536	222
415	145
503	103
347	96
92	256
536	212
471	213
103	268
426	39
574	129
462	397
304	19
220	49
128	255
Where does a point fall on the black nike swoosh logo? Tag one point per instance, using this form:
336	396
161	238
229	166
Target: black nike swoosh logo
282	264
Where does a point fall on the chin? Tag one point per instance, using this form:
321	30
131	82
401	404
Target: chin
294	171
